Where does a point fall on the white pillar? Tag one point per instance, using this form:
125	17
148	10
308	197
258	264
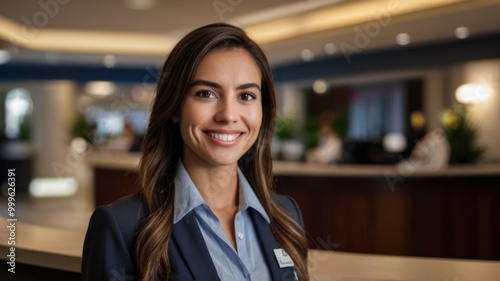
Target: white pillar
54	107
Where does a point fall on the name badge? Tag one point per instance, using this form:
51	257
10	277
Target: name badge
284	260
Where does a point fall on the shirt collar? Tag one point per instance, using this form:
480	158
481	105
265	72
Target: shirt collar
187	197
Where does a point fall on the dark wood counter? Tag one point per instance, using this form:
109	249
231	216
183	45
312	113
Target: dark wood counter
455	217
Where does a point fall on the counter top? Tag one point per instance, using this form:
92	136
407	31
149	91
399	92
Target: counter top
114	160
61	249
130	161
44	246
305	169
339	266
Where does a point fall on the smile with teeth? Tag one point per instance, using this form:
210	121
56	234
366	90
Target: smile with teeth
224	137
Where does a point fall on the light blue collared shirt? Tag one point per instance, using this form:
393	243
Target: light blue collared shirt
246	264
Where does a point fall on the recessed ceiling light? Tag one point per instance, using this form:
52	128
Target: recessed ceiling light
330	48
403	39
100	88
307	55
462	32
109	61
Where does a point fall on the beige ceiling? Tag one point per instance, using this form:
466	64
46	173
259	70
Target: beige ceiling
85	31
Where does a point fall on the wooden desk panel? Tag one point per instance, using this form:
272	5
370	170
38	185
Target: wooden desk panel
425	216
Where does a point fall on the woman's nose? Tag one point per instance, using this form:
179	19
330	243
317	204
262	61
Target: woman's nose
226	111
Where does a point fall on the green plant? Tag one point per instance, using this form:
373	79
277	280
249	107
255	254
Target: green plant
462	136
310	134
80	128
286	127
25	129
341	125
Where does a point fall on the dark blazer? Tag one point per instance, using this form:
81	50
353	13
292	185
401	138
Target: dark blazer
108	251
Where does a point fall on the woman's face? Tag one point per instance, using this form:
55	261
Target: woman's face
221	114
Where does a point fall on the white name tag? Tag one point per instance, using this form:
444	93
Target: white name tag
284	260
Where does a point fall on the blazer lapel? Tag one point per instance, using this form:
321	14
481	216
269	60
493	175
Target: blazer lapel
268	243
192	247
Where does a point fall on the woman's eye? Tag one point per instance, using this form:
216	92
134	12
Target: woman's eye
247	97
206	94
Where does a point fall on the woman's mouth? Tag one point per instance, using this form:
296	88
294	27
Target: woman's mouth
224	137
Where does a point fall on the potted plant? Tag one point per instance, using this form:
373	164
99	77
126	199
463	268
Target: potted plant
462	136
287	132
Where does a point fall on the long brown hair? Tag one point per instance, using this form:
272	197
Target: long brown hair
162	149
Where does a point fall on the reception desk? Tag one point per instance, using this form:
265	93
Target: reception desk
447	213
53	254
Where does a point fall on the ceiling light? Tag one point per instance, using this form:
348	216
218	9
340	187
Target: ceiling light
275	26
4	57
472	93
403	39
335	17
87	41
330	48
320	87
109	61
462	32
307	55
100	88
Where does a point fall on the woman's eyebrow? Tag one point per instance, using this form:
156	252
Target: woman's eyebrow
217	86
248	86
205	83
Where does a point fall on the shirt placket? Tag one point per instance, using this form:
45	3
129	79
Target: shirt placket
242	240
230	254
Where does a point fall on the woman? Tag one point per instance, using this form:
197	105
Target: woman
205	209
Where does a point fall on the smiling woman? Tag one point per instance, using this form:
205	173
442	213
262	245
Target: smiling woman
221	114
206	209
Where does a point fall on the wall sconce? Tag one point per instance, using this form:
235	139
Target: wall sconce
472	93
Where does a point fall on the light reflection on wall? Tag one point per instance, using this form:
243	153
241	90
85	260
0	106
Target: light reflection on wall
18	105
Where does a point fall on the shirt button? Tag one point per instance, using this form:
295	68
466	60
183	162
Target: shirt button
241	236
